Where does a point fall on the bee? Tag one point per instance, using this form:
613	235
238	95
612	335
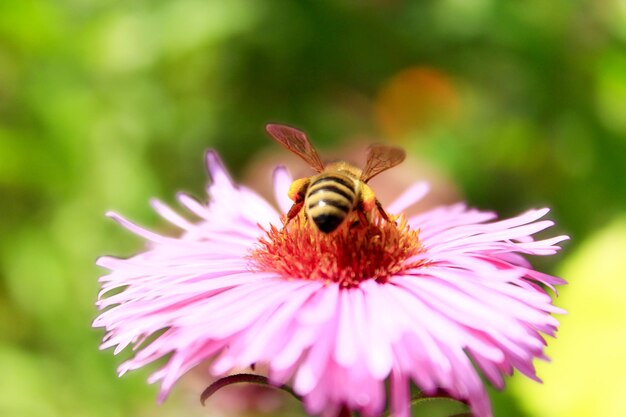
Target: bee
338	188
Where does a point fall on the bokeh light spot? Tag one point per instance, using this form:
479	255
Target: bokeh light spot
415	100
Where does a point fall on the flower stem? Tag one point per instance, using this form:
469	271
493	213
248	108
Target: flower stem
238	378
344	412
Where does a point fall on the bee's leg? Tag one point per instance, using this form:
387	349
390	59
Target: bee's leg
383	213
362	220
297	193
368	201
293	211
362	217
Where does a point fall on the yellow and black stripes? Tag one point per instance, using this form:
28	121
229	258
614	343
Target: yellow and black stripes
329	199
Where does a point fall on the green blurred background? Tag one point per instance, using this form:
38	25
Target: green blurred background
104	104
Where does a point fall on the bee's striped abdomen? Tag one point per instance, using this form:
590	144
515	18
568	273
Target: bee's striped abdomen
329	199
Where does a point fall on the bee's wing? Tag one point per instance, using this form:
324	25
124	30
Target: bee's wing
297	142
381	158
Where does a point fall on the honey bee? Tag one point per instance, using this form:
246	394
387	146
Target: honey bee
338	188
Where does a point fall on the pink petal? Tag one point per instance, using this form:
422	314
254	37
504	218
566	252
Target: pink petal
410	196
282	182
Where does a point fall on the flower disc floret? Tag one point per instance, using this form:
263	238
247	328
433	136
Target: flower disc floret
353	253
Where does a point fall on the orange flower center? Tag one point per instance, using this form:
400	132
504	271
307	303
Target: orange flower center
349	255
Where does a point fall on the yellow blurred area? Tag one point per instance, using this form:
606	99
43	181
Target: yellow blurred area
588	374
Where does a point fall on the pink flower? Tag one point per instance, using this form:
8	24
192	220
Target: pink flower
427	301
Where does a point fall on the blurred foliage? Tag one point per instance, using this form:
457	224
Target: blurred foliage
104	104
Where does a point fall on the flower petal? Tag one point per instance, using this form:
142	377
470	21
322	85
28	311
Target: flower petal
466	301
410	196
282	181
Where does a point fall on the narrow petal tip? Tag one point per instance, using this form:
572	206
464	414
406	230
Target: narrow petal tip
282	179
217	170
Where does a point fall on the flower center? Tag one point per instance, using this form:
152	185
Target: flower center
348	256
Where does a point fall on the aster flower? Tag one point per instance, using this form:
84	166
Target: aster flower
434	300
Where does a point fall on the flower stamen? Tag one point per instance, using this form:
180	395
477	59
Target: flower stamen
348	256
